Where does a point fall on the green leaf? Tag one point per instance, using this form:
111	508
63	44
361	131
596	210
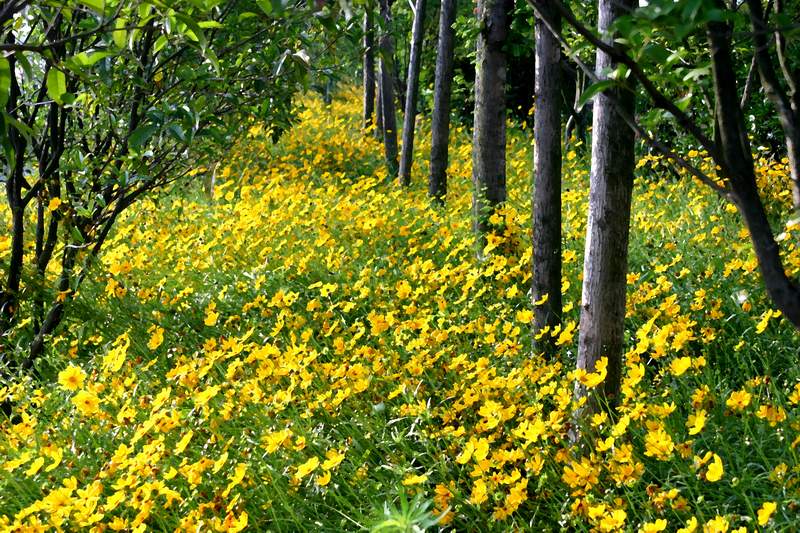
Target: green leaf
76	235
95	5
56	85
210	24
5	80
265	6
22	60
697	73
176	131
120	35
683	103
193	31
277	6
209	54
594	89
141	135
86	59
655	53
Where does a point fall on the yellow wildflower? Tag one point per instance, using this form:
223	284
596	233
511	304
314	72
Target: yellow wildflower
71	378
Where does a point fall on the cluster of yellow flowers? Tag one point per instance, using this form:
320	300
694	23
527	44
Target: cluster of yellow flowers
311	341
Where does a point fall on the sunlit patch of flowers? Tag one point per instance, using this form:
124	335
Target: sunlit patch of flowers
309	342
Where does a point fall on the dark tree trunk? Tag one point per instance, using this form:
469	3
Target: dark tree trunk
489	136
369	69
606	255
440	125
15	178
547	183
738	160
412	88
387	92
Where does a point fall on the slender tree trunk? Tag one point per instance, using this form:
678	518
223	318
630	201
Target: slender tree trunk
412	88
547	183
440	125
738	158
749	83
489	136
387	91
15	177
606	256
379	111
369	68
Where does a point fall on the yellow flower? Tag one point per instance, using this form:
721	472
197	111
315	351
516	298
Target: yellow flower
718	524
184	442
696	422
211	317
654	527
235	479
466	453
658	444
71	378
415	480
202	398
333	458
715	469
765	512
156	339
690	527
115	357
35	466
323	479
231	524
479	492
54	204
87	403
613	521
56	456
738	400
306	468
680	365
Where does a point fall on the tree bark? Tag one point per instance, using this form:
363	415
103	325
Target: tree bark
412	89
547	183
387	91
379	111
15	178
369	69
489	135
606	254
738	159
440	124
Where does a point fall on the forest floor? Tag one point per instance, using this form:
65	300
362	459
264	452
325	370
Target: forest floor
313	349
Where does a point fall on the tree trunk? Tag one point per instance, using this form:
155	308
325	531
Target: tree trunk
412	88
606	255
15	177
738	160
489	136
440	124
547	183
379	112
369	69
387	92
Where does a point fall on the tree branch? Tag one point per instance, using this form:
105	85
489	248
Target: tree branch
651	141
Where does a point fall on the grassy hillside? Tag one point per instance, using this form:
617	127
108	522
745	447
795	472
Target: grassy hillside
311	348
